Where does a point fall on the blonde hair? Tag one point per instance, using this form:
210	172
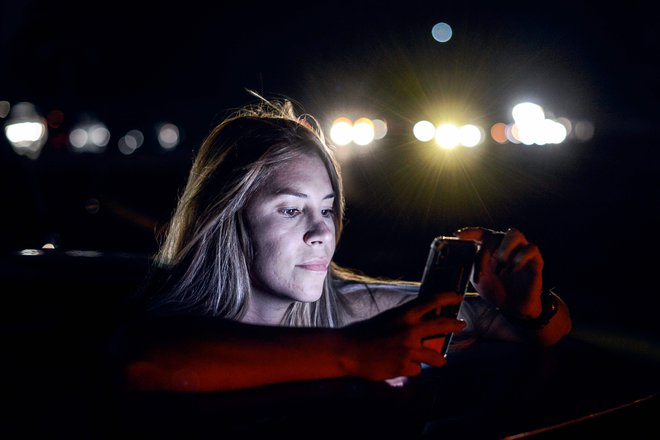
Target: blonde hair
207	250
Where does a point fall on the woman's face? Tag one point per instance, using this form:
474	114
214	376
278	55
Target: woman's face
293	234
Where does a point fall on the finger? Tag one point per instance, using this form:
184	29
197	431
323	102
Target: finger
429	356
433	301
489	241
512	241
440	326
528	256
472	233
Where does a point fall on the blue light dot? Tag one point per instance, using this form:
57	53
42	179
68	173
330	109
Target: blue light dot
441	32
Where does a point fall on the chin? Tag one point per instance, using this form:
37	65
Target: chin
311	293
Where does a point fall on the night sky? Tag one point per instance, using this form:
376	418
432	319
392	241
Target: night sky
591	206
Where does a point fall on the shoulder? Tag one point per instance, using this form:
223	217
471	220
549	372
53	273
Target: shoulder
364	300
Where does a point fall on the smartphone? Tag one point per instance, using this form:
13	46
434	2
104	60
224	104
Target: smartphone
448	268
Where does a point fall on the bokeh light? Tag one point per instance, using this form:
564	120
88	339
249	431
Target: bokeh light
441	32
26	130
341	131
424	131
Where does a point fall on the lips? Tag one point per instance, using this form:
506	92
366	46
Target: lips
315	265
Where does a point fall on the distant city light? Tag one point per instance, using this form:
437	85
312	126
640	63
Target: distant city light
26	130
341	131
469	135
363	131
447	136
584	131
498	132
4	108
380	128
424	131
168	136
441	32
531	127
90	136
130	142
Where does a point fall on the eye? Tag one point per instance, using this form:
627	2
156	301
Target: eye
290	212
329	212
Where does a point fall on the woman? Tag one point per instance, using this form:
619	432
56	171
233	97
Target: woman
245	276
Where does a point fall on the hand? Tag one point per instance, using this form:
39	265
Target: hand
508	271
390	344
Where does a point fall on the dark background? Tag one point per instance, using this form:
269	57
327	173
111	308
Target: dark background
590	206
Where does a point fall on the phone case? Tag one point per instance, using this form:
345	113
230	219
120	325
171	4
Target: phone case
448	268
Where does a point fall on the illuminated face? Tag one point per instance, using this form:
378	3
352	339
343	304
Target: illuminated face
293	233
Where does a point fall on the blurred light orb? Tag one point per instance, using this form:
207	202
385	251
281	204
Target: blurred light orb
31	252
424	131
89	136
380	128
78	138
511	132
99	135
168	136
341	131
469	135
441	32
553	132
527	113
137	137
24	133
4	108
26	130
363	131
447	136
566	123
498	132
584	131
130	142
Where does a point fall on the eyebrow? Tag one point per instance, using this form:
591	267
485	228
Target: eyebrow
293	192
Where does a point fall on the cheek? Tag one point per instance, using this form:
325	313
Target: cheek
271	255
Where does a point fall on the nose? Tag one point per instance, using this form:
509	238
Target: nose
319	232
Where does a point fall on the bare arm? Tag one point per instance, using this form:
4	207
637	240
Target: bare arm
202	354
509	276
559	326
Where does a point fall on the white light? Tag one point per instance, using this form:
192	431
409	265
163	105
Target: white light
469	135
89	136
78	138
424	131
380	128
341	131
168	136
447	137
527	113
99	135
26	130
24	133
363	131
555	132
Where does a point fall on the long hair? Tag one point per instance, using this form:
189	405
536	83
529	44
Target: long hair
207	251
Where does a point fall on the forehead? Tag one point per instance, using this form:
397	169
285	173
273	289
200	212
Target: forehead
302	170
